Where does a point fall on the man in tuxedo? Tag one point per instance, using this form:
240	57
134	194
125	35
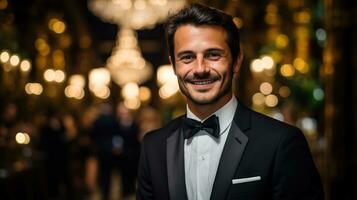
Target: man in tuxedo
220	149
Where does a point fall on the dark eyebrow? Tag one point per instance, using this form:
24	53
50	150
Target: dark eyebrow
183	53
215	50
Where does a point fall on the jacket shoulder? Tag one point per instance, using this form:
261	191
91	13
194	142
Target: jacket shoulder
263	125
164	132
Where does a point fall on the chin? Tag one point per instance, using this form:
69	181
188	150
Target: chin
203	100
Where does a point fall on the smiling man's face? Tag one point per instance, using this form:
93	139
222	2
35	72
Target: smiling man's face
203	64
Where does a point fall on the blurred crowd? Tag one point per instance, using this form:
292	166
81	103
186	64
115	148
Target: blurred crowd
71	155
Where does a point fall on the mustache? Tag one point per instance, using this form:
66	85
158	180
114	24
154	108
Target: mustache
201	77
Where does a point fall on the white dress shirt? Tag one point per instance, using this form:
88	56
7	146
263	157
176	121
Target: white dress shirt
202	153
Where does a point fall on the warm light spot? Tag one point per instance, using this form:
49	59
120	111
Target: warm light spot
284	91
301	65
33	88
130	91
59	76
282	41
45	50
328	69
272	8
287	70
65	40
72	91
258	99
268	62
276	56
103	92
19	166
58	58
257	65
140	4
77	80
99	76
20	138
81	95
40	43
238	22
302	32
124	4
42	47
4	56
28	88
49	75
144	94
25	65
302	17
132	104
266	88
27	138
271	100
165	74
167	90
3	4
158	2
37	88
57	25
14	60
271	18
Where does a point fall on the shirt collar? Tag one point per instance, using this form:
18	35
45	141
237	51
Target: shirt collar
224	114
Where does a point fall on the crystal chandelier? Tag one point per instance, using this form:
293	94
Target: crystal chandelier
135	14
126	63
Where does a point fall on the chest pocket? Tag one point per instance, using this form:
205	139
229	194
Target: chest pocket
249	190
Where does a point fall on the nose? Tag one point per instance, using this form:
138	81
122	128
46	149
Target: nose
201	66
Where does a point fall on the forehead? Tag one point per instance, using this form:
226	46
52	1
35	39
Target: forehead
198	38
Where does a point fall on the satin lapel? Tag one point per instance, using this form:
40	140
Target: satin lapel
175	166
231	156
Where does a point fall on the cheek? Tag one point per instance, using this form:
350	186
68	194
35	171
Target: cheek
223	69
182	71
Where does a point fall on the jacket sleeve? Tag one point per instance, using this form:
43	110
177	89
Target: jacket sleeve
295	176
144	188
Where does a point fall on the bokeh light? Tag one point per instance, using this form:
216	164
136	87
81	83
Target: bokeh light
271	100
287	70
266	88
25	65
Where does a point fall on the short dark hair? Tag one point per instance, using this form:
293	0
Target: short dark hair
198	14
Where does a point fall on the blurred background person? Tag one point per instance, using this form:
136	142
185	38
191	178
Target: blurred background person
129	159
55	157
87	151
108	146
74	167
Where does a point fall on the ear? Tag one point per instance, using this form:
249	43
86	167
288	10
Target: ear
237	64
172	64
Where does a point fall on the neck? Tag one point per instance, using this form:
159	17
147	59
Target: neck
203	111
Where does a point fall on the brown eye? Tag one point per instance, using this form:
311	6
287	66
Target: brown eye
213	55
187	58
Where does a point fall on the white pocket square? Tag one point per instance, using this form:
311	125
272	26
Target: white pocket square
245	180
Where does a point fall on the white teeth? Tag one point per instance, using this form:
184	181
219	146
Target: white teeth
202	82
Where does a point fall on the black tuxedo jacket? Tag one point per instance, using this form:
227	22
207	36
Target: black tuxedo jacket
256	146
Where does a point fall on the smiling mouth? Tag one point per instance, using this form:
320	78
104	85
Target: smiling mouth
202	82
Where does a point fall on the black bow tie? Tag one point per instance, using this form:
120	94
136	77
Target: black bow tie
210	125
